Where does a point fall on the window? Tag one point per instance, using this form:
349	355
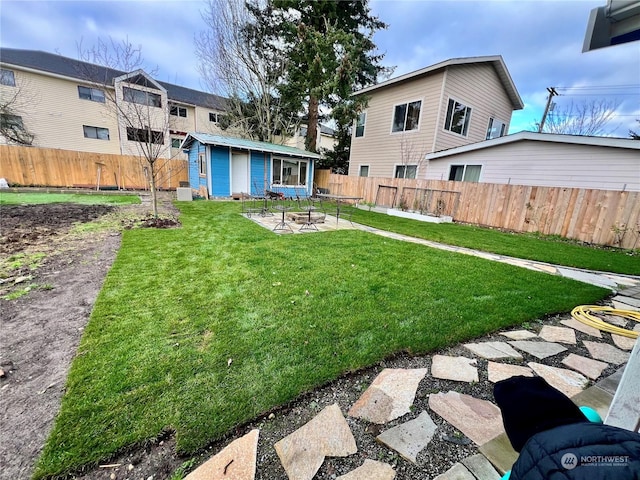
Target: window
457	120
214	117
176	142
144	135
496	129
289	172
364	170
202	165
406	116
7	77
96	132
141	97
178	111
406	171
362	118
93	94
465	173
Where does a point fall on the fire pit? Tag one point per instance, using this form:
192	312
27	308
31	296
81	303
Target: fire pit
304	217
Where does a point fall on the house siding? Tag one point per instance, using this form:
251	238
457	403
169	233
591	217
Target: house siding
381	149
260	172
52	110
477	86
195	180
220	172
549	164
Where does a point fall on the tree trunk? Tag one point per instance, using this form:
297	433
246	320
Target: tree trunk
152	185
312	125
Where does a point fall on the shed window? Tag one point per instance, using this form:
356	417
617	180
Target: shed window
406	116
362	118
495	129
457	120
202	164
465	173
289	172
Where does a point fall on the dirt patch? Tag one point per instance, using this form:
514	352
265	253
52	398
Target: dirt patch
56	274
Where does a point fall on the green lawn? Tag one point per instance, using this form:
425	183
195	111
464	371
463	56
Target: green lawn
533	247
9	198
291	311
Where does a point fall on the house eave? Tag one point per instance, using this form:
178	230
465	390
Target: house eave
538	137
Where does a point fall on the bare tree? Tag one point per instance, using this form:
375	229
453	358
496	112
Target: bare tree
238	62
412	154
15	101
136	100
591	118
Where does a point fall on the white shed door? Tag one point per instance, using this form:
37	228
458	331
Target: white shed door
239	173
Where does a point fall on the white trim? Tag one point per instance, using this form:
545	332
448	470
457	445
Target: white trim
494	119
290	159
396	165
393	116
364	165
540	137
207	154
135	73
464	170
355	128
496	60
466	105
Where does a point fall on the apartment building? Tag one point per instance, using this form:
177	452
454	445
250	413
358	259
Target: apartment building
69	104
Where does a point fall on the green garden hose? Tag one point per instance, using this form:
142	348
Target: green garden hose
583	313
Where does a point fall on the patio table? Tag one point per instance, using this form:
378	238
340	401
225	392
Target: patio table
339	199
282	225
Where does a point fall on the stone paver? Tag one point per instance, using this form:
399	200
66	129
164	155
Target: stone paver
481	467
582	327
370	470
606	353
634	302
236	461
479	420
546	268
539	350
587	366
567	381
624	343
519	335
614	320
457	472
558	334
411	437
629	282
493	350
389	396
623	306
326	435
502	371
460	369
586	277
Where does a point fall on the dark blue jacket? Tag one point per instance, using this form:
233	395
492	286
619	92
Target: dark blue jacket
580	451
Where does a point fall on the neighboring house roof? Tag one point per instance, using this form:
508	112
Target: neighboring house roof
85	71
244	144
540	137
495	60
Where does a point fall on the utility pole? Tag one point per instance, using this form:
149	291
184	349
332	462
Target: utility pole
552	93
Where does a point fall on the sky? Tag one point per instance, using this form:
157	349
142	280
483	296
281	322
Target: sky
540	41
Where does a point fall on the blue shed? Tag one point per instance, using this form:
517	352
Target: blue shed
228	166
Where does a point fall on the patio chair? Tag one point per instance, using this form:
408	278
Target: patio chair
249	205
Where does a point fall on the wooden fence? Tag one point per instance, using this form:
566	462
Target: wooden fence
601	217
31	166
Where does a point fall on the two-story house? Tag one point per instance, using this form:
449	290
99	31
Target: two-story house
446	105
69	104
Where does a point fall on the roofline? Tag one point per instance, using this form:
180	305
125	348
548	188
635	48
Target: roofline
496	60
54	75
195	136
539	137
135	73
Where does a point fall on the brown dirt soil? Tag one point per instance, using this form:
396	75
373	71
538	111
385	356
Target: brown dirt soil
41	332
